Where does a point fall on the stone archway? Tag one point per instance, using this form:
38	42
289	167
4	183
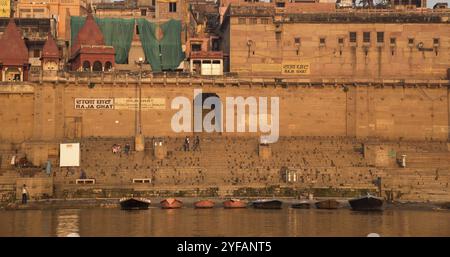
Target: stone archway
200	99
97	66
86	66
108	66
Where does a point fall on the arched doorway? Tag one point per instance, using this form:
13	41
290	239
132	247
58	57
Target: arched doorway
13	74
216	106
108	66
86	66
97	66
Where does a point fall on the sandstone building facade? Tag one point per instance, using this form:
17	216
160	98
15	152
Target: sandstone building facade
357	92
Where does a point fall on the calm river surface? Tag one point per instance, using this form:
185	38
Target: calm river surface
223	222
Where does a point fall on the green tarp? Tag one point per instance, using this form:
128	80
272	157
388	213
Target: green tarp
165	54
117	33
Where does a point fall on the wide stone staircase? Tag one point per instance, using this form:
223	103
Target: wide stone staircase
230	164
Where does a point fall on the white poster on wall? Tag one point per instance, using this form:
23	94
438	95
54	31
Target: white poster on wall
69	155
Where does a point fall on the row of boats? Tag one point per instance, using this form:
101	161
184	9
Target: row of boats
365	203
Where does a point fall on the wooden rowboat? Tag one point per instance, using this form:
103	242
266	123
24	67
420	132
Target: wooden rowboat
234	203
267	204
327	204
301	205
171	203
204	204
367	203
134	203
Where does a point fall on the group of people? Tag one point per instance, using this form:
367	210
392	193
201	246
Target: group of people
195	146
117	149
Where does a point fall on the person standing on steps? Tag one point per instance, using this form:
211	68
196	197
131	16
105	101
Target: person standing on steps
186	144
196	146
24	194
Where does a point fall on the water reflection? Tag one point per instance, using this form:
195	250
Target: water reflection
68	223
223	222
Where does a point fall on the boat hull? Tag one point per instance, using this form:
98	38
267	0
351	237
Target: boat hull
301	206
366	204
230	204
327	204
272	204
171	204
134	204
204	204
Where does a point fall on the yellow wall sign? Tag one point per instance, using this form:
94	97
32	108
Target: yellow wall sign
5	8
295	68
147	103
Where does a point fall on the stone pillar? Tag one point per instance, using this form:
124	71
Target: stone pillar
265	151
139	143
159	150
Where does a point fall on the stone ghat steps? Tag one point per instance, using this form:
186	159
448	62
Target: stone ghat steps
427	159
8	176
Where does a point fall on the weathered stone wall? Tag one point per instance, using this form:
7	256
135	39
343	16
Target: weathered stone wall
273	44
412	112
16	113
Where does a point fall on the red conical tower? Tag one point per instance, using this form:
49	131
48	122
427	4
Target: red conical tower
50	55
14	62
89	51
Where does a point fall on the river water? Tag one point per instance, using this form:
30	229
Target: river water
223	222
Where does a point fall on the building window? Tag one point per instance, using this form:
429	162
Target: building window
196	47
108	66
435	41
352	37
253	20
137	29
36	53
341	40
153	2
380	37
172	7
97	66
264	21
297	41
322	41
143	12
393	40
278	35
241	21
86	66
280	4
366	37
410	41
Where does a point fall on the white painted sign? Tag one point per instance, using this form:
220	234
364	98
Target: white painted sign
94	103
69	155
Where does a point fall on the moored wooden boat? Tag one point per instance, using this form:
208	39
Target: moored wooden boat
134	203
329	204
204	204
234	203
267	204
301	205
367	203
171	203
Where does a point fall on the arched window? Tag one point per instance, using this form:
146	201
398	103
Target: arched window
97	66
108	66
86	66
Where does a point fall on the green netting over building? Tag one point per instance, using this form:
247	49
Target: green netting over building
163	54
